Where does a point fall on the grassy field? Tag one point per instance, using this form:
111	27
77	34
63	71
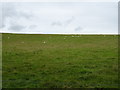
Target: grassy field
60	61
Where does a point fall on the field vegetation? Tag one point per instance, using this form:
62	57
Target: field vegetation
59	61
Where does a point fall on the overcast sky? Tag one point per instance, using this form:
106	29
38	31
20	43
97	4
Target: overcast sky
60	17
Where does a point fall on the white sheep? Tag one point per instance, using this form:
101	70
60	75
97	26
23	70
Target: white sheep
22	42
44	42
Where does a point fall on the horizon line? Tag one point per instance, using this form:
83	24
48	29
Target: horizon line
64	33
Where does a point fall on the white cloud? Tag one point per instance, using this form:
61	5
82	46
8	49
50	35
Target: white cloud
65	17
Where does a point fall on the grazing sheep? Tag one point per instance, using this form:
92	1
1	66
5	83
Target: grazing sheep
22	42
44	42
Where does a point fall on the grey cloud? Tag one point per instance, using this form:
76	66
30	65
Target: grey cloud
70	20
1	22
32	26
56	23
25	15
67	22
9	10
78	28
2	25
16	27
6	11
11	14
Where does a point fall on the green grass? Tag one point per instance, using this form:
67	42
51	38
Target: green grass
0	61
87	61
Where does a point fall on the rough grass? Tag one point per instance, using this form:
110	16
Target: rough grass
63	61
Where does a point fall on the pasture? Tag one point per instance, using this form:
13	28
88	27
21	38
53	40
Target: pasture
59	61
